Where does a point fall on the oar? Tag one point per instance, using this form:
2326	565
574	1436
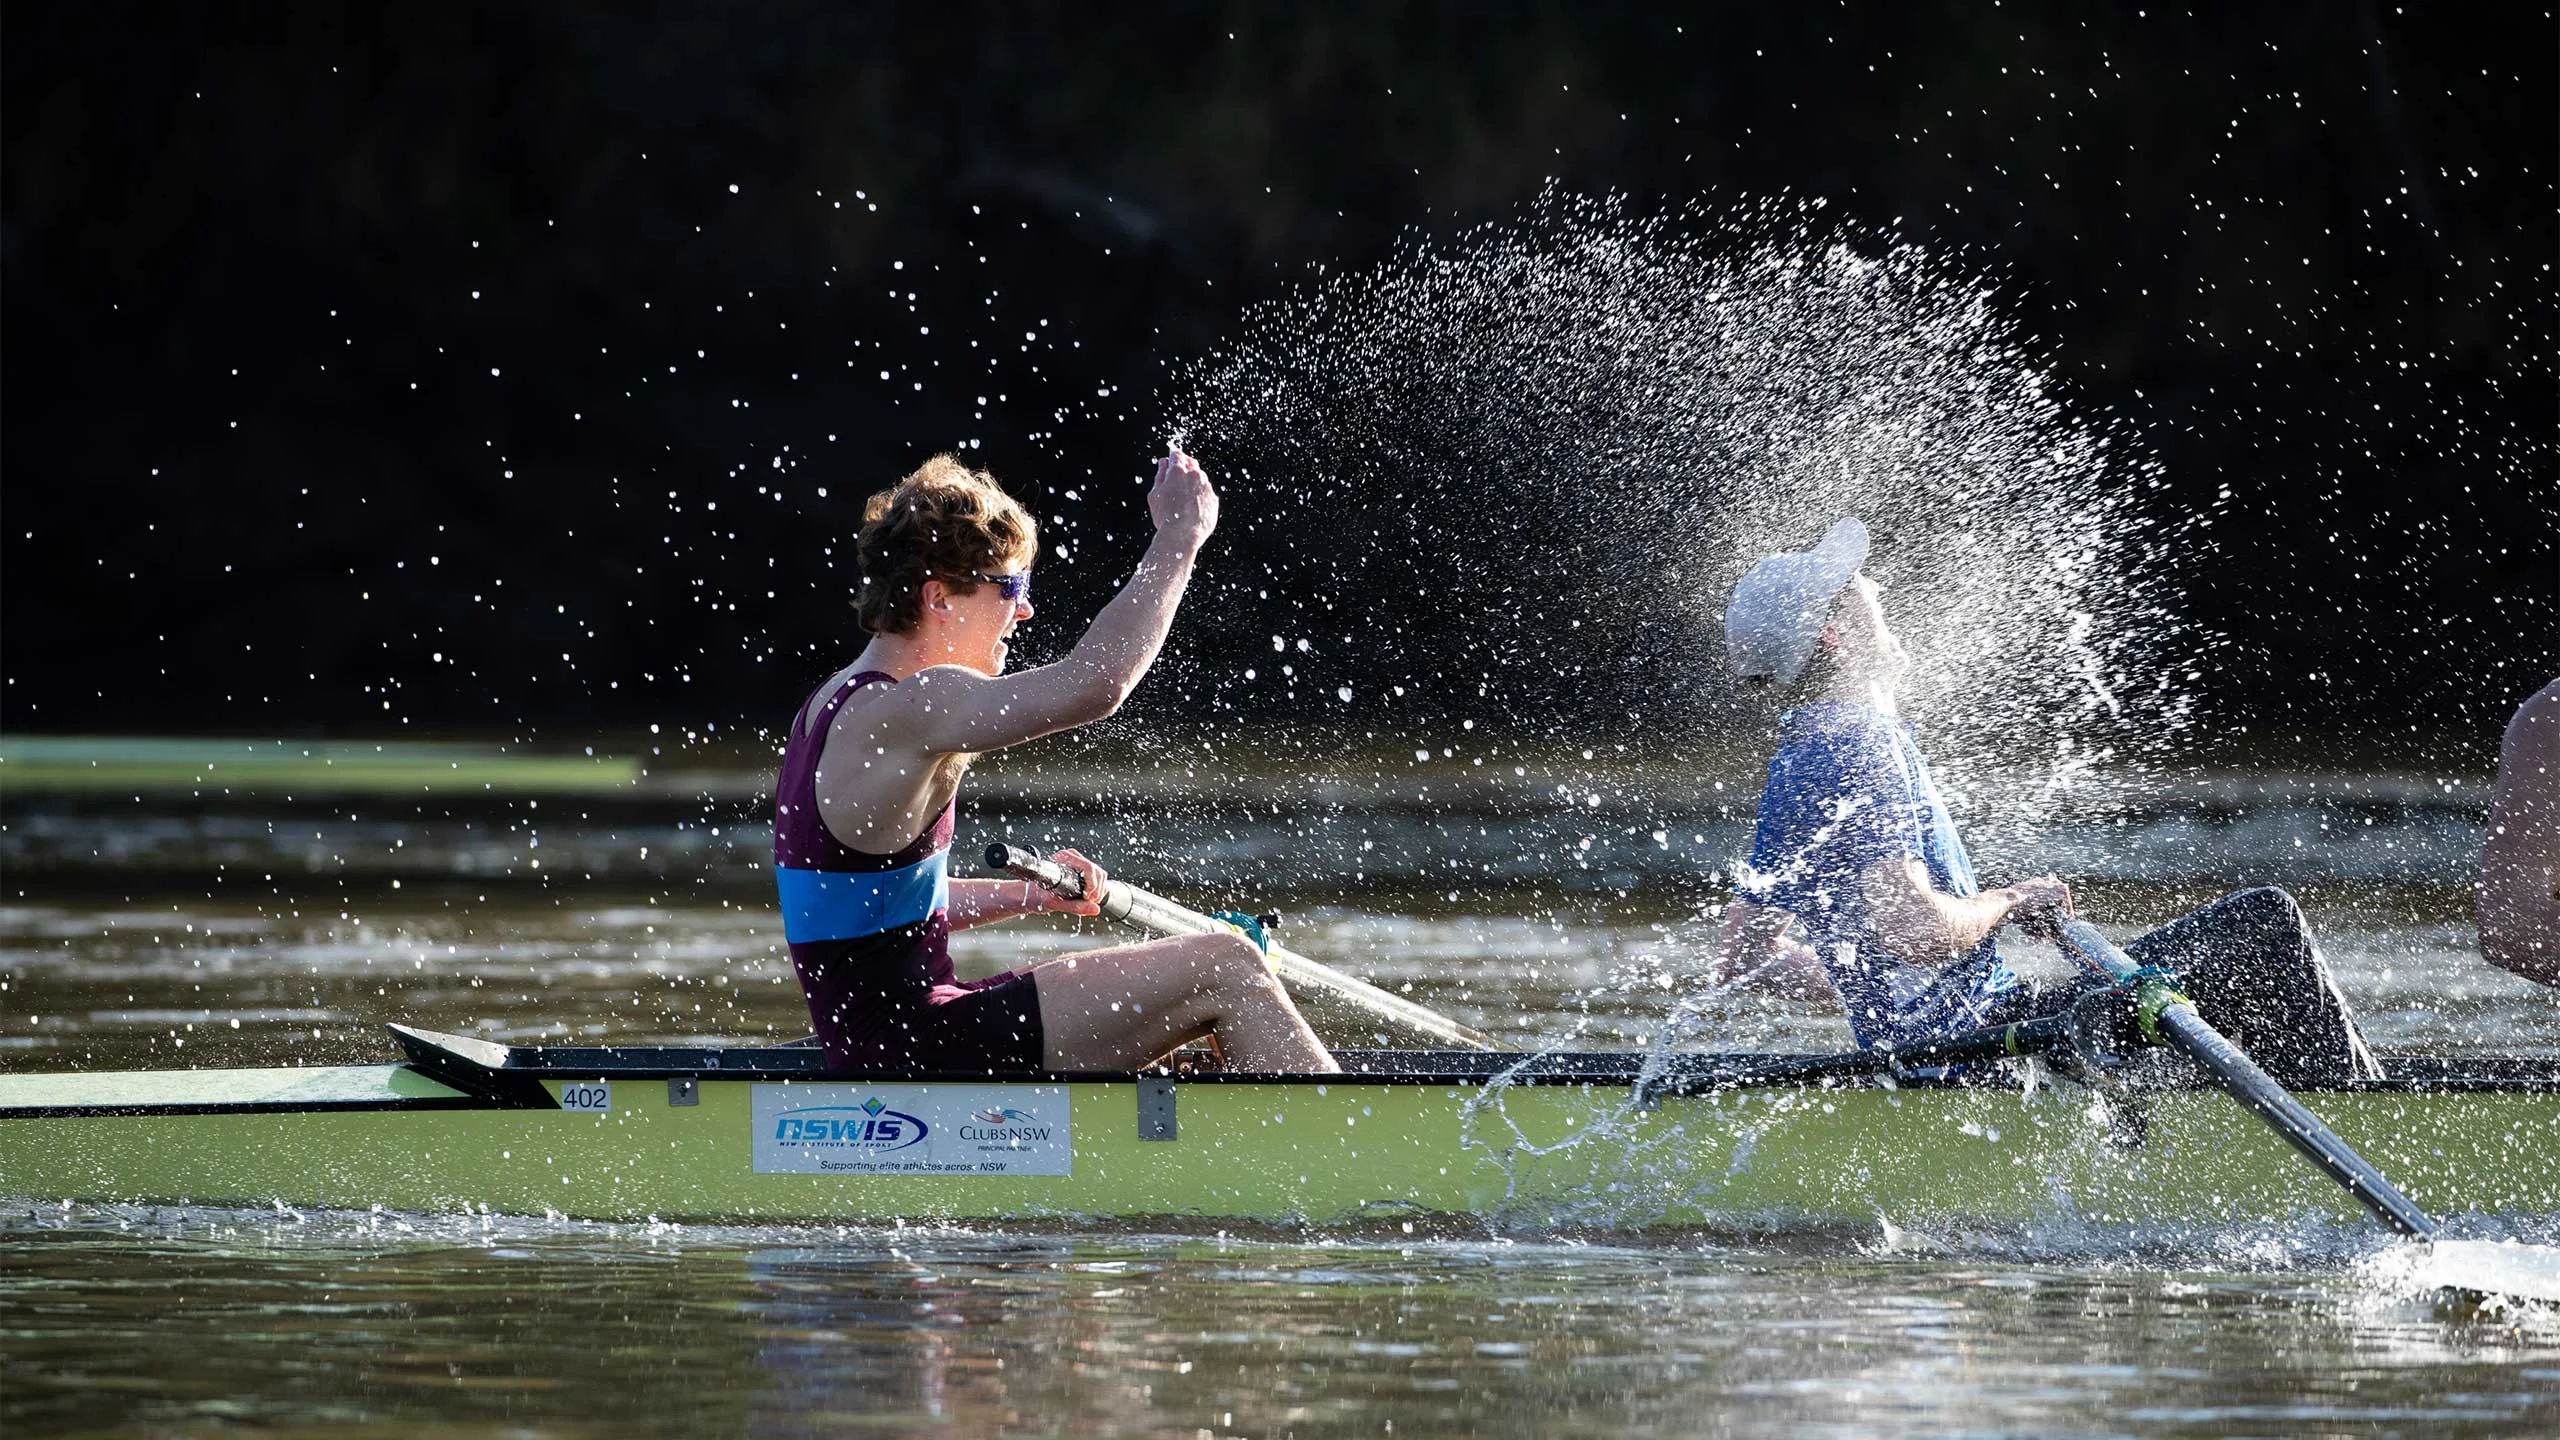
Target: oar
1146	910
2483	1267
2174	1015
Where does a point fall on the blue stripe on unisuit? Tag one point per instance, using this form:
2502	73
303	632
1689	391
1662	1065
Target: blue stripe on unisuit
847	905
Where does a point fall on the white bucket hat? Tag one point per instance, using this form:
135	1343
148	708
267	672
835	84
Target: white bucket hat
1778	609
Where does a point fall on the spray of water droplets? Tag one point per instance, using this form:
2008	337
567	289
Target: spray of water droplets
1571	433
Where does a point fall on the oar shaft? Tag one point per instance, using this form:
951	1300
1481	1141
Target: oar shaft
2258	1090
1146	910
2319	1144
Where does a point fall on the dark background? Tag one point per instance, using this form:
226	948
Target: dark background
374	368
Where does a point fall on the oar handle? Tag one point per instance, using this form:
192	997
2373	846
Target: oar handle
1121	901
2257	1089
1033	866
1146	910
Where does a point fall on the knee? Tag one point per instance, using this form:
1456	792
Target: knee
1234	962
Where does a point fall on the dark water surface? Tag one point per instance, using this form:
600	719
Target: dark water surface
403	1325
256	934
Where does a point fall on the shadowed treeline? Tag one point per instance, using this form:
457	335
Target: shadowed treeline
383	366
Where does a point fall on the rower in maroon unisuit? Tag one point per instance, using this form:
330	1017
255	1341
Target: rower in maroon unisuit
870	782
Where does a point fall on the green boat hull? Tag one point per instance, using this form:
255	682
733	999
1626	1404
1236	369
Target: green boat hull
1349	1149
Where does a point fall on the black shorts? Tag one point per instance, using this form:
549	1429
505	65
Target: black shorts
991	1028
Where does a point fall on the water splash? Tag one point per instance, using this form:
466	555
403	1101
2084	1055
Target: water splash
1579	426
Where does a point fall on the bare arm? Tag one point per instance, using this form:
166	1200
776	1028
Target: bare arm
2520	861
986	902
1925	926
1755	952
952	708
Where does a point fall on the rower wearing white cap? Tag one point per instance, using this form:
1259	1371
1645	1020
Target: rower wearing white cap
1857	872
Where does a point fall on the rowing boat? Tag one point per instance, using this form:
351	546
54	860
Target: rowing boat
766	1134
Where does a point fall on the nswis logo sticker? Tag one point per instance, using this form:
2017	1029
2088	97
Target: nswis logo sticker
921	1129
870	1126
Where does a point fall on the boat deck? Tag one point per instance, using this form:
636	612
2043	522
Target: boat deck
444	1071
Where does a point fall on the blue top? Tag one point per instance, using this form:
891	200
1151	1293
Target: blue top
1847	788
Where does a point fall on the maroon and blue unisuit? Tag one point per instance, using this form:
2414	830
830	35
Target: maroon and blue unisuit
871	936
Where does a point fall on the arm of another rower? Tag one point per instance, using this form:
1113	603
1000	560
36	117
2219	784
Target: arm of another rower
2520	861
952	708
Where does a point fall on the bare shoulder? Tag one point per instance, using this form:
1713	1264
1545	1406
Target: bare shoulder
2529	755
868	715
2537	720
818	698
891	715
2528	793
948	680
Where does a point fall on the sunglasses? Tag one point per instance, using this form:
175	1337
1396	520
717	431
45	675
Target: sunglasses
1016	589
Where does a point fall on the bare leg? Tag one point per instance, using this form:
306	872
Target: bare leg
1118	1009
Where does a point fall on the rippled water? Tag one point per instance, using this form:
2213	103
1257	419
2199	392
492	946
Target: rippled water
147	980
273	934
398	1325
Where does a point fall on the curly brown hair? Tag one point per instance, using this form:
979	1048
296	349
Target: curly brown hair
945	522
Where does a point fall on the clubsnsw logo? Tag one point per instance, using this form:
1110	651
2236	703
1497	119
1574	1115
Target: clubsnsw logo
871	1126
1004	1125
